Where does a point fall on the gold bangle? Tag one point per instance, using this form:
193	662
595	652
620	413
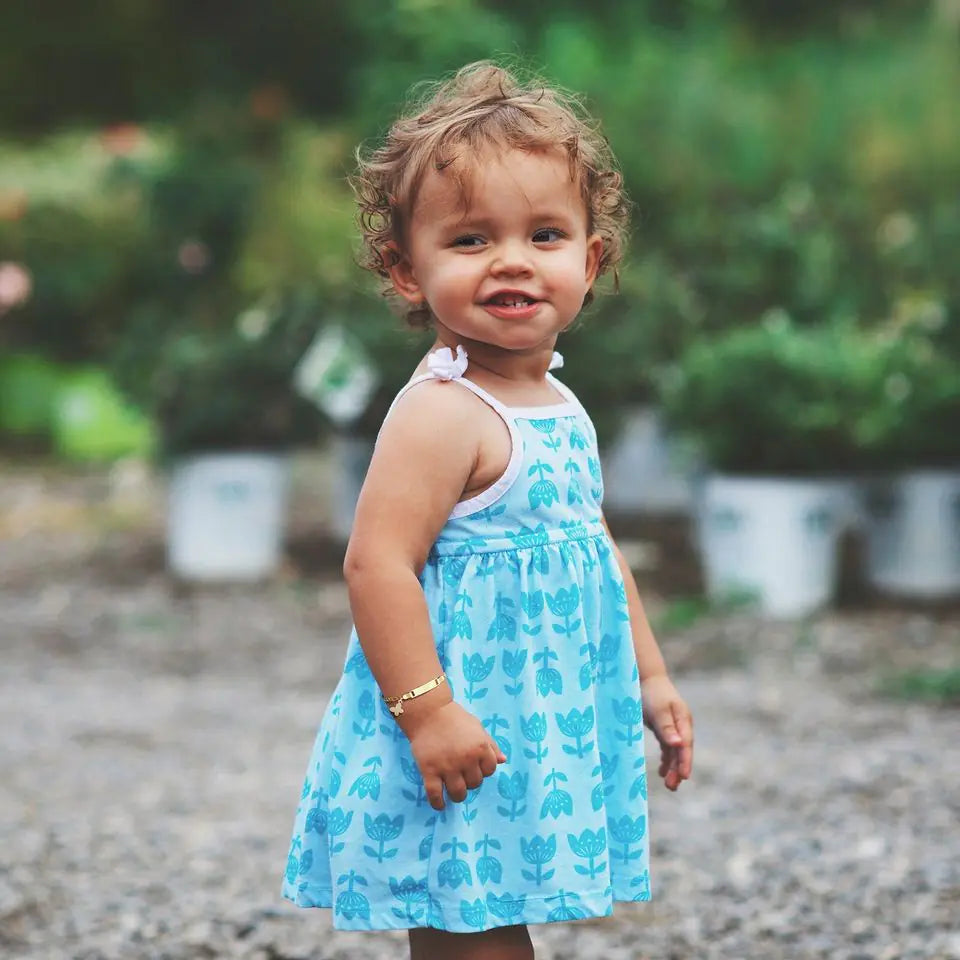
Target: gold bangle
396	704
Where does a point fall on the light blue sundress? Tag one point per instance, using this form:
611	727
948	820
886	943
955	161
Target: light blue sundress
529	615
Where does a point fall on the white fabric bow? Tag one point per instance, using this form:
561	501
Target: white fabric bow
556	361
444	366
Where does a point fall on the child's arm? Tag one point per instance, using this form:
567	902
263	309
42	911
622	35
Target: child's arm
664	710
423	459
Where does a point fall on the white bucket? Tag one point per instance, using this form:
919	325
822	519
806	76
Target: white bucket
350	458
913	534
226	516
772	539
646	470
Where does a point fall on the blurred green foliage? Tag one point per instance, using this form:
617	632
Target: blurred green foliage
785	160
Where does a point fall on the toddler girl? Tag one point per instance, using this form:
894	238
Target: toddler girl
480	765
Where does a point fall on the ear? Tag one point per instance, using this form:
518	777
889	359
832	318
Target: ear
594	252
401	274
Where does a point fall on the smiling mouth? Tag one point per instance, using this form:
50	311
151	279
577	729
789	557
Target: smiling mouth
510	300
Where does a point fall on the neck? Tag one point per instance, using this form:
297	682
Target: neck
528	365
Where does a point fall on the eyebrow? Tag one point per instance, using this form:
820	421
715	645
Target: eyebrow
545	216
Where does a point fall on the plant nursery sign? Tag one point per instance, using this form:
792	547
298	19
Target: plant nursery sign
336	375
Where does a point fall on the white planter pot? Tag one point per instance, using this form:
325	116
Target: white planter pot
645	470
226	516
913	534
350	460
774	539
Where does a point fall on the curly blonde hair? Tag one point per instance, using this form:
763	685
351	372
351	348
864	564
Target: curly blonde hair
483	105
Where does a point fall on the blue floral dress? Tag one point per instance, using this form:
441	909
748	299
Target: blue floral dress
530	619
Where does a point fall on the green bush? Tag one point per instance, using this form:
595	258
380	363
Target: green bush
776	398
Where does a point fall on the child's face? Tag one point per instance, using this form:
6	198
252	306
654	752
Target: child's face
509	264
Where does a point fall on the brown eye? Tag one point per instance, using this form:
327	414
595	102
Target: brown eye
471	240
548	235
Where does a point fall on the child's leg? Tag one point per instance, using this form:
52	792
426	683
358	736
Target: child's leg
501	943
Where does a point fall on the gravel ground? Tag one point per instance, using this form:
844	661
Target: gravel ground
155	737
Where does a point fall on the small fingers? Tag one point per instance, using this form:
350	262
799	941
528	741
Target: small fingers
488	763
473	777
456	788
667	732
685	728
434	788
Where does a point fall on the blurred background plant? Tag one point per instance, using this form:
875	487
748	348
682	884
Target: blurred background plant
175	225
801	161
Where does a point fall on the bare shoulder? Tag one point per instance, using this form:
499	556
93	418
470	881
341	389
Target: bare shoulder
434	412
422	462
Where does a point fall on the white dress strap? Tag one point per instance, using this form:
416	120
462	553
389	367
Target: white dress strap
444	365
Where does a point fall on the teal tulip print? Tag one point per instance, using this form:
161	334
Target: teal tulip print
351	903
576	724
608	655
543	492
629	713
538	851
549	679
305	789
564	603
507	907
367	712
298	865
628	831
383	829
368	784
412	893
512	787
558	801
513	663
489	868
504	625
590	845
317	816
474	914
461	619
534	729
454	871
476	669
548	428
564	910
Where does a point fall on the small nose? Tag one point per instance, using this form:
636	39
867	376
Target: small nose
511	258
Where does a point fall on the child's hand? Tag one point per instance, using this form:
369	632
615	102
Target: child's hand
666	714
452	750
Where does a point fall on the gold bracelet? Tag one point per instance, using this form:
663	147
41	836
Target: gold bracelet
396	704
